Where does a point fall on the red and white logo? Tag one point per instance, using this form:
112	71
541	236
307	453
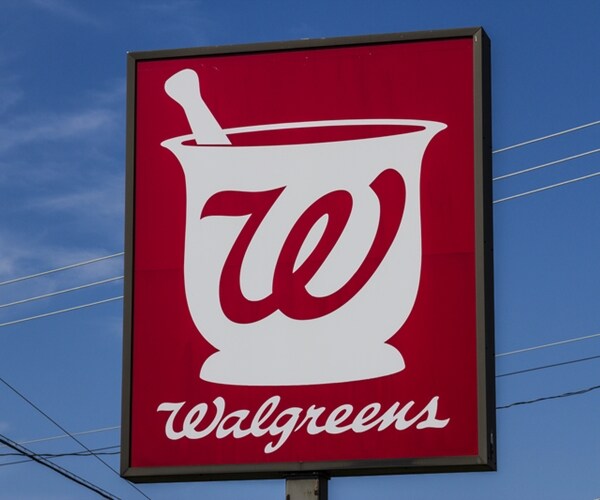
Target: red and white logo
296	245
304	274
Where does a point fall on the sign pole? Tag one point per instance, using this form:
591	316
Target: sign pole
313	487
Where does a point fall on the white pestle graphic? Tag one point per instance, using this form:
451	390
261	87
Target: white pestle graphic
184	88
279	347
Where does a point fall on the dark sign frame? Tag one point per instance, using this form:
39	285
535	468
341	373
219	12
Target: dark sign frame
486	459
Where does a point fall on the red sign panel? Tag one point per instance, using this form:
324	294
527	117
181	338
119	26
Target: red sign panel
308	271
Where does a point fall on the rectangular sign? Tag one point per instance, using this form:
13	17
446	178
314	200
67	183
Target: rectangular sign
308	259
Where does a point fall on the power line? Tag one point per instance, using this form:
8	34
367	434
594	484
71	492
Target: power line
577	339
60	311
95	451
507	148
533	191
543	165
547	398
543	138
63	436
60	292
15	462
544	367
56	468
31	299
57	455
551	344
14	280
63	268
92	431
49	418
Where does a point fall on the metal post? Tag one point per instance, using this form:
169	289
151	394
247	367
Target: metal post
312	487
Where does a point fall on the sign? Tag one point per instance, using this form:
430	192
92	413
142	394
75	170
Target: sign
308	259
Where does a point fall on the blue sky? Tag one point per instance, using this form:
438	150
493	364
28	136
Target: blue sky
62	149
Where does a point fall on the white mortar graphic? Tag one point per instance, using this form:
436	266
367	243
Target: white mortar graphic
347	343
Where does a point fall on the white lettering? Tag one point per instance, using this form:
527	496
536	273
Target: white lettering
290	420
336	417
173	408
361	421
312	414
290	417
263	414
235	429
431	421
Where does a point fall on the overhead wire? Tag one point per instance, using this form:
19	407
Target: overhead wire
79	442
539	139
544	367
507	148
60	311
94	451
545	188
545	137
56	468
91	304
98	451
63	268
108	280
61	292
63	436
550	344
555	162
547	398
42	459
103	429
16	462
544	165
